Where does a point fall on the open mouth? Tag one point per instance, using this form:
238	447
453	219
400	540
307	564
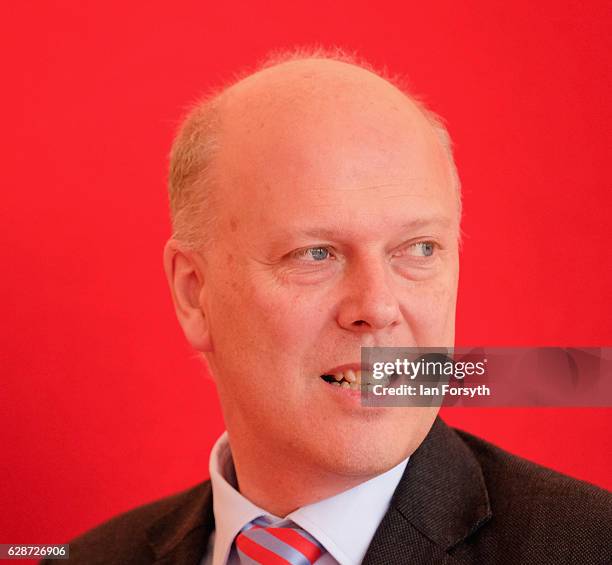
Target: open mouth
352	379
344	379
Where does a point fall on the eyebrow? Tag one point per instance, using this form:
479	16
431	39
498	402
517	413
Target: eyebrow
415	224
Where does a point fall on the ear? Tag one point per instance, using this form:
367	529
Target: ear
185	273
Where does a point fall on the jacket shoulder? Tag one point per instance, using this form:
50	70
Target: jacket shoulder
123	539
536	507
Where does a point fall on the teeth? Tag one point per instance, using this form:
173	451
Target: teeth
349	375
347	379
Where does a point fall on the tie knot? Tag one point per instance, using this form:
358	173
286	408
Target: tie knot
278	544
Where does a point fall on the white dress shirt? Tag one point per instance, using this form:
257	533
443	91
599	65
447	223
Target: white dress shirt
344	523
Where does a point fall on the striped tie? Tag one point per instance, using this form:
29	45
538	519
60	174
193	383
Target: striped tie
281	544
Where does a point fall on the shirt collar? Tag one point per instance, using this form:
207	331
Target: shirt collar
232	510
345	523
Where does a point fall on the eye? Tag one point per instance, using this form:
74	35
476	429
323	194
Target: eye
315	254
418	251
423	248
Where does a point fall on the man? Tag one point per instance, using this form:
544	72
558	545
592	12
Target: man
316	210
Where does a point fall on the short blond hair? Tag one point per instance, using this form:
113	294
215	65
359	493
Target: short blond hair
190	178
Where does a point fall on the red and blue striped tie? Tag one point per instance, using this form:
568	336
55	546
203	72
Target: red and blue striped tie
281	544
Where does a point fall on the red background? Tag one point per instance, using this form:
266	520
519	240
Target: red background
103	404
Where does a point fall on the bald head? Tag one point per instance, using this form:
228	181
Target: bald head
297	111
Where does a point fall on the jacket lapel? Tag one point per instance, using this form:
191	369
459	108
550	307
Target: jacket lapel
440	501
181	536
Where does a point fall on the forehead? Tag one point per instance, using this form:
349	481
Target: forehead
327	140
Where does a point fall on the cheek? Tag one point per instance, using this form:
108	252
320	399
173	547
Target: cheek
293	319
249	307
430	312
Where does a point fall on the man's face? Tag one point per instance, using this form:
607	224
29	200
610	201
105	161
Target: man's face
338	229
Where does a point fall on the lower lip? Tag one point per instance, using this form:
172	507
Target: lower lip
349	394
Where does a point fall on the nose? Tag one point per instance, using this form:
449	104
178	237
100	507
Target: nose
369	301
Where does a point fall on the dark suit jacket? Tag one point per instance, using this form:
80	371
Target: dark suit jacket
461	500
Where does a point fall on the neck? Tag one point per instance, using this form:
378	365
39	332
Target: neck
279	483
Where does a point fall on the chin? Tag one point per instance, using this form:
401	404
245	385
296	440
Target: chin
376	448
